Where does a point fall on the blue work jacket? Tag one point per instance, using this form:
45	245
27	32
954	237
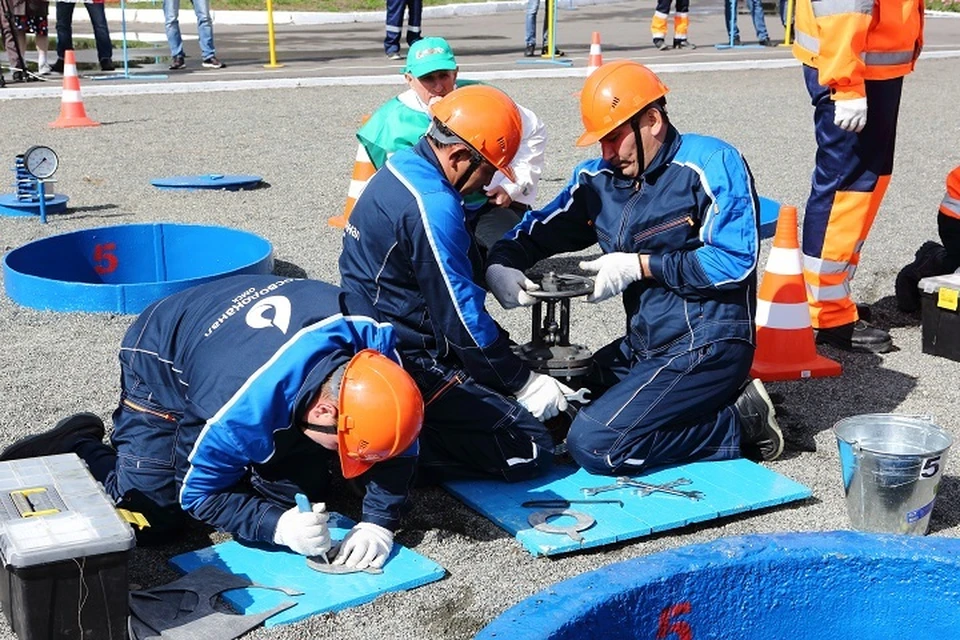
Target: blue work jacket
694	210
237	361
407	249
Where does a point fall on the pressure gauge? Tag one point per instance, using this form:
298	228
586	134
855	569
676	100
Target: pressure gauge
41	162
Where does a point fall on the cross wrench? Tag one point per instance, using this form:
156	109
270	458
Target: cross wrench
645	488
623	482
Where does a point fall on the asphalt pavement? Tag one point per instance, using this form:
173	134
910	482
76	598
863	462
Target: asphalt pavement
298	134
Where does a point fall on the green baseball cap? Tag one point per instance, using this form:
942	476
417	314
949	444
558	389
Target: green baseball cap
428	55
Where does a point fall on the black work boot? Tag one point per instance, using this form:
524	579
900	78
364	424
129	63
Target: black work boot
660	44
63	438
683	43
859	336
931	259
761	438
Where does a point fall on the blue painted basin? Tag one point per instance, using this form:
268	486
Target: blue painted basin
800	586
122	269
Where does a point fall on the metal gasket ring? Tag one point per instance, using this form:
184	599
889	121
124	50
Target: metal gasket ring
538	520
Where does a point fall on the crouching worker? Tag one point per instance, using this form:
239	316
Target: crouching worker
932	258
238	394
410	251
676	219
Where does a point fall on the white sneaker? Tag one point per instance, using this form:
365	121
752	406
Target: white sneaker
44	70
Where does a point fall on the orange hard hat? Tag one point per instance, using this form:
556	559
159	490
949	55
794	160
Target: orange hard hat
613	94
381	412
486	119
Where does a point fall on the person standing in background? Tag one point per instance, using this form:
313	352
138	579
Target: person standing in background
854	59
755	8
658	27
171	15
395	10
30	16
101	33
530	33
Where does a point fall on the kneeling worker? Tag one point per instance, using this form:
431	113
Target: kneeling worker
676	218
240	393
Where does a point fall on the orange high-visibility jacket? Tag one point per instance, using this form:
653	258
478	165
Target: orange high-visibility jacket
951	201
850	41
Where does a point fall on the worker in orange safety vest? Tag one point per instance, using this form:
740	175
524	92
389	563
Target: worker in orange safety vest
854	57
933	258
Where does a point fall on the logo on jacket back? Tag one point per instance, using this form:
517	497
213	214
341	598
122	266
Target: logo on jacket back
273	311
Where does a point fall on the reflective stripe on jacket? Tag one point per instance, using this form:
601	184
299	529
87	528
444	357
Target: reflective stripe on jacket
850	41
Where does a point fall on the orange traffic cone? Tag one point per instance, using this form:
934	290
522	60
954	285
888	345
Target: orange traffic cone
596	55
363	170
786	349
72	113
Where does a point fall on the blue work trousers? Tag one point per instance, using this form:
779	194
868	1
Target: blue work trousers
662	410
171	16
395	11
471	431
101	32
755	7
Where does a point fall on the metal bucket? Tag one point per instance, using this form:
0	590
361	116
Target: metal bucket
891	466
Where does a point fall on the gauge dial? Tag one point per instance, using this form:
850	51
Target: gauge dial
41	162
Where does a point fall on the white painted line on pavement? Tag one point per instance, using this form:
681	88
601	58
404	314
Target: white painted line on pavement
163	88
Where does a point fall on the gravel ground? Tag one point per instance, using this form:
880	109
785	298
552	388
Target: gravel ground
301	142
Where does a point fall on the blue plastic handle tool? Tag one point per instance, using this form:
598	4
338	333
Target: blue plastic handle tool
302	503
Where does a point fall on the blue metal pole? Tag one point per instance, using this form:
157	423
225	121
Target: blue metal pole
43	201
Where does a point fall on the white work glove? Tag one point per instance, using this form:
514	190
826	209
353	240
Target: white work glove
615	272
366	545
850	115
543	396
509	286
304	532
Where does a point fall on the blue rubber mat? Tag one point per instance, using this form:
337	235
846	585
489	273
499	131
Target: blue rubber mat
322	593
728	487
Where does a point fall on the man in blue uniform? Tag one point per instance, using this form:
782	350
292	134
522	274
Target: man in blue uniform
240	393
408	249
677	220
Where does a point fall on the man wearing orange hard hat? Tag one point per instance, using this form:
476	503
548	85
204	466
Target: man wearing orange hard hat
676	218
408	248
241	393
